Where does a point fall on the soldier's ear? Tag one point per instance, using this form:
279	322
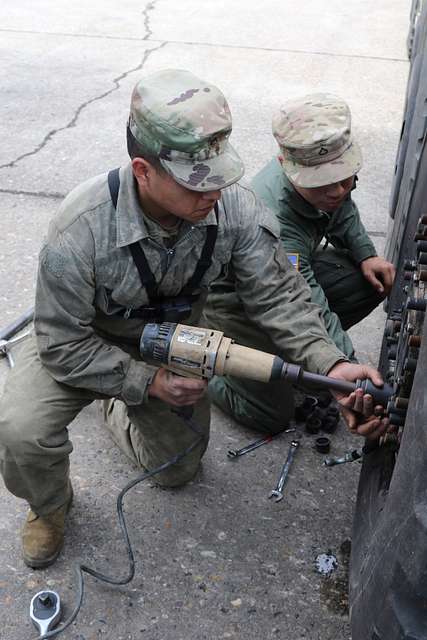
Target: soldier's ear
141	170
280	159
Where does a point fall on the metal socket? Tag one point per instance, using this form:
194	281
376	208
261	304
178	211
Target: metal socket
323	444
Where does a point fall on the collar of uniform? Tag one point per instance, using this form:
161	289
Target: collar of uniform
208	221
130	224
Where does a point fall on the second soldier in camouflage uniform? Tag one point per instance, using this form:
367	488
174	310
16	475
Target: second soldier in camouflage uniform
175	202
309	188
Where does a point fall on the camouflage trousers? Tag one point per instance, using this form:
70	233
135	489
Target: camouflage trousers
262	406
35	412
349	294
269	407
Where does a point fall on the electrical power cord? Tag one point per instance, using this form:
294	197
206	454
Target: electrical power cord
186	414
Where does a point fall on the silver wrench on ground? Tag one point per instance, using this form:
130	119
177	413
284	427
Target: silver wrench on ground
235	453
278	491
6	345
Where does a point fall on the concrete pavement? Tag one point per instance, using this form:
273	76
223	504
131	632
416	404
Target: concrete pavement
215	559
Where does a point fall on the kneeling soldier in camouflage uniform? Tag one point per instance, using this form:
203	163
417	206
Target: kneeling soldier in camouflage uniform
309	188
126	249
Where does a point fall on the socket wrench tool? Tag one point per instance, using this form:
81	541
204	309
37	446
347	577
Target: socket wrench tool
236	453
45	611
350	456
278	491
203	353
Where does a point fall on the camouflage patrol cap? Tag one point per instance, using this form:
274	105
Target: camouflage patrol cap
186	123
314	136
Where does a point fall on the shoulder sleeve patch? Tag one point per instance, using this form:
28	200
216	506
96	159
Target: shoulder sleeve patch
293	259
53	261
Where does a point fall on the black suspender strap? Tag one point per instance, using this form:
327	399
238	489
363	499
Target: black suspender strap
138	255
114	185
145	273
141	262
205	259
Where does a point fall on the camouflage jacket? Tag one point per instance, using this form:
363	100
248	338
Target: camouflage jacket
302	228
87	277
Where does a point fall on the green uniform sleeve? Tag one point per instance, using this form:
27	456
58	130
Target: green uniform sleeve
268	184
299	243
348	232
331	320
274	294
298	236
64	312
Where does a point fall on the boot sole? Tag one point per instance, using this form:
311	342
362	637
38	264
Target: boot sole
41	564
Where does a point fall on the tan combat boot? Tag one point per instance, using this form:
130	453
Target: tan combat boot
43	536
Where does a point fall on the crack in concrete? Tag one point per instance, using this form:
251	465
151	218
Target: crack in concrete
63	34
69	34
150	7
221	45
48	137
331	54
116	81
35	194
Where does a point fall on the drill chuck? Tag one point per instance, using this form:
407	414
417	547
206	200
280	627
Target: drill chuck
155	342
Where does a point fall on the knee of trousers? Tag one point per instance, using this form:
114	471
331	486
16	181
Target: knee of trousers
182	472
24	437
259	411
179	474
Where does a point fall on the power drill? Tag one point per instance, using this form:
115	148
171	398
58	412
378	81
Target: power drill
202	353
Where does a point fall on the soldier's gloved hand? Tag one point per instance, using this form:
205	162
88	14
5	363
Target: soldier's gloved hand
176	390
358	410
379	273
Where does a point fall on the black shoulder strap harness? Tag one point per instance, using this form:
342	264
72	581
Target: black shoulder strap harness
176	308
